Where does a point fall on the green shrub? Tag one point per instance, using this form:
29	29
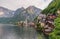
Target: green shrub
56	33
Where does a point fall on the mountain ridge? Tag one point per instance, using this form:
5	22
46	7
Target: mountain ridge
6	12
22	14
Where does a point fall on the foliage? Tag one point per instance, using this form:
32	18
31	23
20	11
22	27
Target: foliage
52	7
56	33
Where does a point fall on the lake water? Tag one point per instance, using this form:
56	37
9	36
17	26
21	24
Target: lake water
10	31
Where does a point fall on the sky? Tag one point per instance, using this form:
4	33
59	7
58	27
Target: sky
15	4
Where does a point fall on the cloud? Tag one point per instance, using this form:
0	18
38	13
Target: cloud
14	4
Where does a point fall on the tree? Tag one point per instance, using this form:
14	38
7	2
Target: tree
52	7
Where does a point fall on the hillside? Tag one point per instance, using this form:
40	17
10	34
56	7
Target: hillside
52	7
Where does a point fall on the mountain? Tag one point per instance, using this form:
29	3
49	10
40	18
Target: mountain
6	15
33	11
19	10
29	13
18	15
4	12
52	7
21	14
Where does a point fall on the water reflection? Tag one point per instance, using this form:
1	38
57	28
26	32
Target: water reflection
8	31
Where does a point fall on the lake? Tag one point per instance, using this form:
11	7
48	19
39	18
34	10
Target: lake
10	31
